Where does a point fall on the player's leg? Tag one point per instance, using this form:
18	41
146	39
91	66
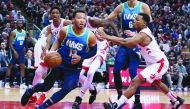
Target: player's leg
70	81
88	81
9	68
52	76
134	62
127	94
119	62
40	71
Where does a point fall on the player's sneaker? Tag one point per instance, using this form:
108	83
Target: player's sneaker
41	99
7	85
23	86
93	95
178	103
110	105
32	99
26	96
76	104
137	105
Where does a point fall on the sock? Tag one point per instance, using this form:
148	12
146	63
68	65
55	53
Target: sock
92	87
121	101
137	98
171	96
40	71
23	80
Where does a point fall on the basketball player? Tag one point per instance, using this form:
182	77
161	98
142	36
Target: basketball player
91	65
156	60
75	43
128	57
16	44
48	36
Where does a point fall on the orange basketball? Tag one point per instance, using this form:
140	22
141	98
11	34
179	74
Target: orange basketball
53	59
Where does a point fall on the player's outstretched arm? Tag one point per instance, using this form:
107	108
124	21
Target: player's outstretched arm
60	39
128	42
95	22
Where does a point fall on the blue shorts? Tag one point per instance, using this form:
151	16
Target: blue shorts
126	58
20	60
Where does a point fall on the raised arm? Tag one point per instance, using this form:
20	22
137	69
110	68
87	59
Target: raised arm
117	11
95	22
59	40
146	9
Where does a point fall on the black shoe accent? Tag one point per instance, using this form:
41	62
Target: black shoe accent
76	104
93	95
110	105
26	96
180	102
137	105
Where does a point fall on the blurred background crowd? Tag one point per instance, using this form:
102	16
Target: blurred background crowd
171	28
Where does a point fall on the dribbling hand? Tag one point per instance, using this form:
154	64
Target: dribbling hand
75	59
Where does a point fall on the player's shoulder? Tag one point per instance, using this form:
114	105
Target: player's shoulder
144	5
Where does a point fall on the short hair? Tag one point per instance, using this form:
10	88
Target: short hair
78	11
55	7
146	17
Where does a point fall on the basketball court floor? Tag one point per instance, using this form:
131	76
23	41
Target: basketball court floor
151	99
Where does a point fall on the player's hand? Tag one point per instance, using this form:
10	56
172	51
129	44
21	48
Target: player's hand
101	34
16	54
44	52
75	59
129	33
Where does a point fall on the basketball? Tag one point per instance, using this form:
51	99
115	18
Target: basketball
53	59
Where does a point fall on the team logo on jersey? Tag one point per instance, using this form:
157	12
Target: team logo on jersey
129	16
74	45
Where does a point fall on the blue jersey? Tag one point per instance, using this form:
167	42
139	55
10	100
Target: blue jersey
128	15
18	42
74	44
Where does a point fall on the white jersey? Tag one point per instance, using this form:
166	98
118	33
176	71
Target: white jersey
151	53
102	48
101	45
55	30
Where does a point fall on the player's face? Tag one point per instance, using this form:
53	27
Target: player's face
139	23
19	24
80	20
55	15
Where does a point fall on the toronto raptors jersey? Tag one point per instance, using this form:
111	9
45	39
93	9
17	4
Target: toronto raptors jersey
55	30
151	53
101	45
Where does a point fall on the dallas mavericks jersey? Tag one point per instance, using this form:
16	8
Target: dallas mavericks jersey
74	44
18	42
128	15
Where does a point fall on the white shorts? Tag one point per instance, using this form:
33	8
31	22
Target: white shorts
155	71
38	50
102	50
101	53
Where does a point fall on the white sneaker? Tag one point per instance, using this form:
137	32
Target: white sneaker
30	86
23	86
7	85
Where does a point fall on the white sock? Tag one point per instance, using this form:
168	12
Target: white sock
92	87
171	96
121	101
